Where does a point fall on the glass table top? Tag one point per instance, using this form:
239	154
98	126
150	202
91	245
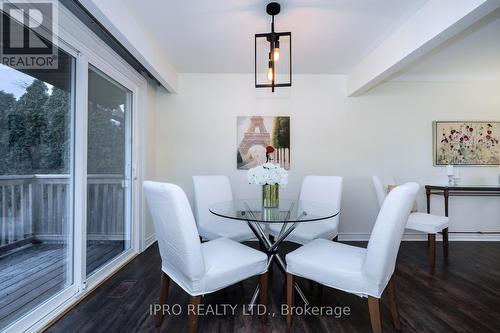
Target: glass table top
287	211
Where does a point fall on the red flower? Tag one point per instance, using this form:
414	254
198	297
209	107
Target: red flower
269	149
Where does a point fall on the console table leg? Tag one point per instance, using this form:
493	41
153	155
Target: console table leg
428	194
446	197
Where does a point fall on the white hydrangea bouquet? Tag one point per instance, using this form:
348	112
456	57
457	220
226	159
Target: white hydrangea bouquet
270	176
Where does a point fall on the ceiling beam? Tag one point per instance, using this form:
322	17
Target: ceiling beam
434	23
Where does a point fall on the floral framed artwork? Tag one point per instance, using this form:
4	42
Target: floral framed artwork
466	143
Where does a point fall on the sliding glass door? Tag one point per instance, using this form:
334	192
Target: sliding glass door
36	186
65	170
108	170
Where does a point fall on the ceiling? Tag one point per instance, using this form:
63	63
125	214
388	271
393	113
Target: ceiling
472	55
329	36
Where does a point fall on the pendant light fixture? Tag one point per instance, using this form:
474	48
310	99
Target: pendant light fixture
273	55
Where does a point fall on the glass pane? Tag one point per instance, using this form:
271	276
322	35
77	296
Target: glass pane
108	168
36	177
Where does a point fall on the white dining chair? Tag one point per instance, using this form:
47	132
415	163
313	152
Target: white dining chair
209	190
423	222
356	270
323	189
198	268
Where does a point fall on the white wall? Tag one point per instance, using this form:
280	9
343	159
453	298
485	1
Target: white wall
386	131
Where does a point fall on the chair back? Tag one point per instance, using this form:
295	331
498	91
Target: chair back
324	189
209	190
380	184
175	229
385	239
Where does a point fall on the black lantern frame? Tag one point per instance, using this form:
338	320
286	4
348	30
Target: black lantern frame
273	39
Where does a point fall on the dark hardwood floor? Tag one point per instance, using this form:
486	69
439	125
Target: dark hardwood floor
460	295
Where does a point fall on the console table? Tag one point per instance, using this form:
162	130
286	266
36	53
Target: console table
459	190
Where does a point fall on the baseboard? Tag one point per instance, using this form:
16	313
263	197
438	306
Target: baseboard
477	237
407	237
149	241
453	236
363	237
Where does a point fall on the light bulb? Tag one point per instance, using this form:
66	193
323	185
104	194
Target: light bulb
270	74
276	54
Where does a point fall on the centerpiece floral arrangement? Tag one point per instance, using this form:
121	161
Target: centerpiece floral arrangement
270	176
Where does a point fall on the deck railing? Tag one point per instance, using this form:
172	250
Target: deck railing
36	207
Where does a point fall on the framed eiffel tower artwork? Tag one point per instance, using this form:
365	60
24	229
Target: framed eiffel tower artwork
261	139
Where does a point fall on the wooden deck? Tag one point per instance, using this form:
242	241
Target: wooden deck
33	273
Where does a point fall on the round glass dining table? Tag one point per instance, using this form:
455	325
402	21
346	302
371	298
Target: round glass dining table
288	214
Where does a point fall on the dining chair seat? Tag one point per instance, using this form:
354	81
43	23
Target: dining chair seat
305	232
428	223
228	262
220	227
343	271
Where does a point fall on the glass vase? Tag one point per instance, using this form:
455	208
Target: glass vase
270	196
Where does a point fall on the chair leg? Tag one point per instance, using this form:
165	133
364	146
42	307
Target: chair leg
445	242
165	282
318	292
393	304
431	238
374	309
193	315
290	281
264	281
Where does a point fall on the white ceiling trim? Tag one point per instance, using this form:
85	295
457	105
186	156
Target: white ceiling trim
433	24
